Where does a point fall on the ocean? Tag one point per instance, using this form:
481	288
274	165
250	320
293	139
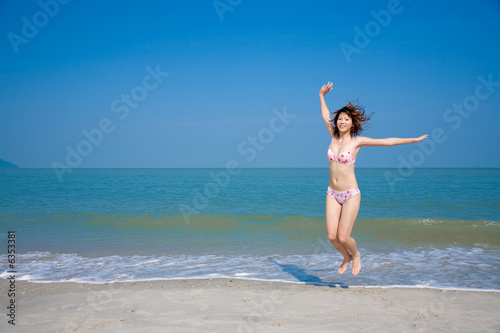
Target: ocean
434	228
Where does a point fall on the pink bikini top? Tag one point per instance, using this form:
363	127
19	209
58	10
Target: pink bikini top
343	158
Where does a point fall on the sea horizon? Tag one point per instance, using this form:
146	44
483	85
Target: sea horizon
222	167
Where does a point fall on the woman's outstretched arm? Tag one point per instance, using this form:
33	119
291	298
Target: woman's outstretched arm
325	113
369	142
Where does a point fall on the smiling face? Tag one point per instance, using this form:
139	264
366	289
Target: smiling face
344	122
349	120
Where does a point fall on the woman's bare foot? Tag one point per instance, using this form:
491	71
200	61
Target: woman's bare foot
344	265
356	264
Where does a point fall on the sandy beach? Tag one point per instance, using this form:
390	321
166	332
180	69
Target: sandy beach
230	305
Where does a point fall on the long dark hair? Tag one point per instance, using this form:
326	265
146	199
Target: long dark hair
357	115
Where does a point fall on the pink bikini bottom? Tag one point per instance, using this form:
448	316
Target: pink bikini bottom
343	196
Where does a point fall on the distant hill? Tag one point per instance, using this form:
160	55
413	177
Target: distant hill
5	164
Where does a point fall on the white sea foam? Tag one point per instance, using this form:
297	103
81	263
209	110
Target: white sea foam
452	267
145	263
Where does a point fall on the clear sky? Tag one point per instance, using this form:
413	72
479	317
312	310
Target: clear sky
85	83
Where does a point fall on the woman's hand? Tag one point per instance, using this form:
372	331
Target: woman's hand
420	138
325	89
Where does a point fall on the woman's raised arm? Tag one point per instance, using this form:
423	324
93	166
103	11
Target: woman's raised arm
325	113
369	142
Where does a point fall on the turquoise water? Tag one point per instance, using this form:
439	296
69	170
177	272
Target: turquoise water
435	227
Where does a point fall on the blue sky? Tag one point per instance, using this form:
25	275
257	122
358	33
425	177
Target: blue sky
243	81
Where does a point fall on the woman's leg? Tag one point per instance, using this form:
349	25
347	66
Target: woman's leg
333	211
348	215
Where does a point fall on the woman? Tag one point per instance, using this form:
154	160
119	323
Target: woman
343	196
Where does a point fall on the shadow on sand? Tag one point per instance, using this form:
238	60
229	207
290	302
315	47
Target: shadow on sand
307	278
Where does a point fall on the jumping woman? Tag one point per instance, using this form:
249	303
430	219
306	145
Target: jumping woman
343	196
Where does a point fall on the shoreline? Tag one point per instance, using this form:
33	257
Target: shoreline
325	284
243	305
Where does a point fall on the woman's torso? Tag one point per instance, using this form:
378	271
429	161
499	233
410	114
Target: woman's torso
342	157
